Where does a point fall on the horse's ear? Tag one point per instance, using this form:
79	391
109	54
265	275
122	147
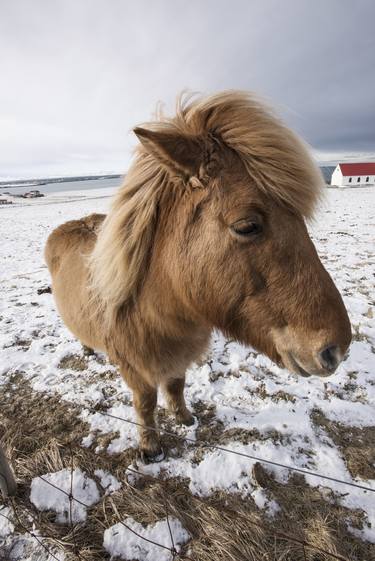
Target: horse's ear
177	151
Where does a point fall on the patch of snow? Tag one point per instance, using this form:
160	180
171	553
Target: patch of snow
123	543
26	548
263	502
6	526
46	497
128	436
108	481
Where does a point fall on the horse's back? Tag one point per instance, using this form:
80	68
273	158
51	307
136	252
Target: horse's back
67	250
71	236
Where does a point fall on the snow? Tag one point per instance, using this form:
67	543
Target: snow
6	525
108	481
23	547
121	542
46	497
27	548
103	424
247	390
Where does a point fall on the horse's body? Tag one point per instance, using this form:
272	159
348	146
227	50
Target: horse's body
206	232
166	346
70	276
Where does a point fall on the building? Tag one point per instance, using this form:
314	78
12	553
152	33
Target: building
5	202
33	194
354	175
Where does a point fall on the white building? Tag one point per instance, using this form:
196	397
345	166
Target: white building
354	175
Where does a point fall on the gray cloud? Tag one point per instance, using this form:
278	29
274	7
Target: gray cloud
77	75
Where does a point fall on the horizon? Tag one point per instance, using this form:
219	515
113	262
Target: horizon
11	179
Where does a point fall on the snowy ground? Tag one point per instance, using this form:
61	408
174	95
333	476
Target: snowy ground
249	392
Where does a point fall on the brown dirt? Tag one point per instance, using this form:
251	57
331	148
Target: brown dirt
73	362
39	432
281	395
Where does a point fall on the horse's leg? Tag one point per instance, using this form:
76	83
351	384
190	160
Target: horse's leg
174	392
144	402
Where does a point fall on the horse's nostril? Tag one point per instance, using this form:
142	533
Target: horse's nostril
329	357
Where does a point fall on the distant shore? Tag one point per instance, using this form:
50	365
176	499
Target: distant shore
52	185
48	180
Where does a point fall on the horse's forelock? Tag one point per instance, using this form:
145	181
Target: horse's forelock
275	158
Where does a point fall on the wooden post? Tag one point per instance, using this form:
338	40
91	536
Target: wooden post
8	485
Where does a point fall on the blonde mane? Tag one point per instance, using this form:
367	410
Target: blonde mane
275	158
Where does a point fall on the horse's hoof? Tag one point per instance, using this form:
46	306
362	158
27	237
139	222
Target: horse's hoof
152	457
186	419
87	351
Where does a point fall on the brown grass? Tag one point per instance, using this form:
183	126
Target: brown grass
38	430
74	362
357	445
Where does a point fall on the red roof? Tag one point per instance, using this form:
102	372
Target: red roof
358	169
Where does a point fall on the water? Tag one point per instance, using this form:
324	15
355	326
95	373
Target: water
65	186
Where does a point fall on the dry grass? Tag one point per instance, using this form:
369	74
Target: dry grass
357	445
38	431
74	362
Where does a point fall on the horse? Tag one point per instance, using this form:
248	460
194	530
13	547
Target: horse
207	232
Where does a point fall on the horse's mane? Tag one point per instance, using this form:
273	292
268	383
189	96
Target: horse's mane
275	158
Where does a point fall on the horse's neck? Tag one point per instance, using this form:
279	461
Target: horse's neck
157	336
165	313
172	325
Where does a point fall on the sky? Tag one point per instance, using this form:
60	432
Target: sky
77	76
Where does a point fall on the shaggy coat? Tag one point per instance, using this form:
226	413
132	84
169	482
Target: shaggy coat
206	232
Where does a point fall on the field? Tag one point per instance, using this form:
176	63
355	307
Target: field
61	418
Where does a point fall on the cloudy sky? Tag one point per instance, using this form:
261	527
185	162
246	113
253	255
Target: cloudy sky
77	75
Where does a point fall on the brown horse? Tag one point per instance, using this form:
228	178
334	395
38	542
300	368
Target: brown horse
206	232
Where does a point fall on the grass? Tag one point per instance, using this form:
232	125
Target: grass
39	431
357	445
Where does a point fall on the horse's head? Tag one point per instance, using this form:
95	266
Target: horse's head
235	247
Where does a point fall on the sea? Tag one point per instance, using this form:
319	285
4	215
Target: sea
53	187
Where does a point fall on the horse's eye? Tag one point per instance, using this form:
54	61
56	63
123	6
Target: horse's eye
247	228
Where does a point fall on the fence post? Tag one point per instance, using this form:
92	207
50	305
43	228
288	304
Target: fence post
8	485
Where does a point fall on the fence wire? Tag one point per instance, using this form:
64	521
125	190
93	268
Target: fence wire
236	452
172	549
277	535
25	529
72	498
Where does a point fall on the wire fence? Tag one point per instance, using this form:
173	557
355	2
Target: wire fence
73	527
237	453
172	549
